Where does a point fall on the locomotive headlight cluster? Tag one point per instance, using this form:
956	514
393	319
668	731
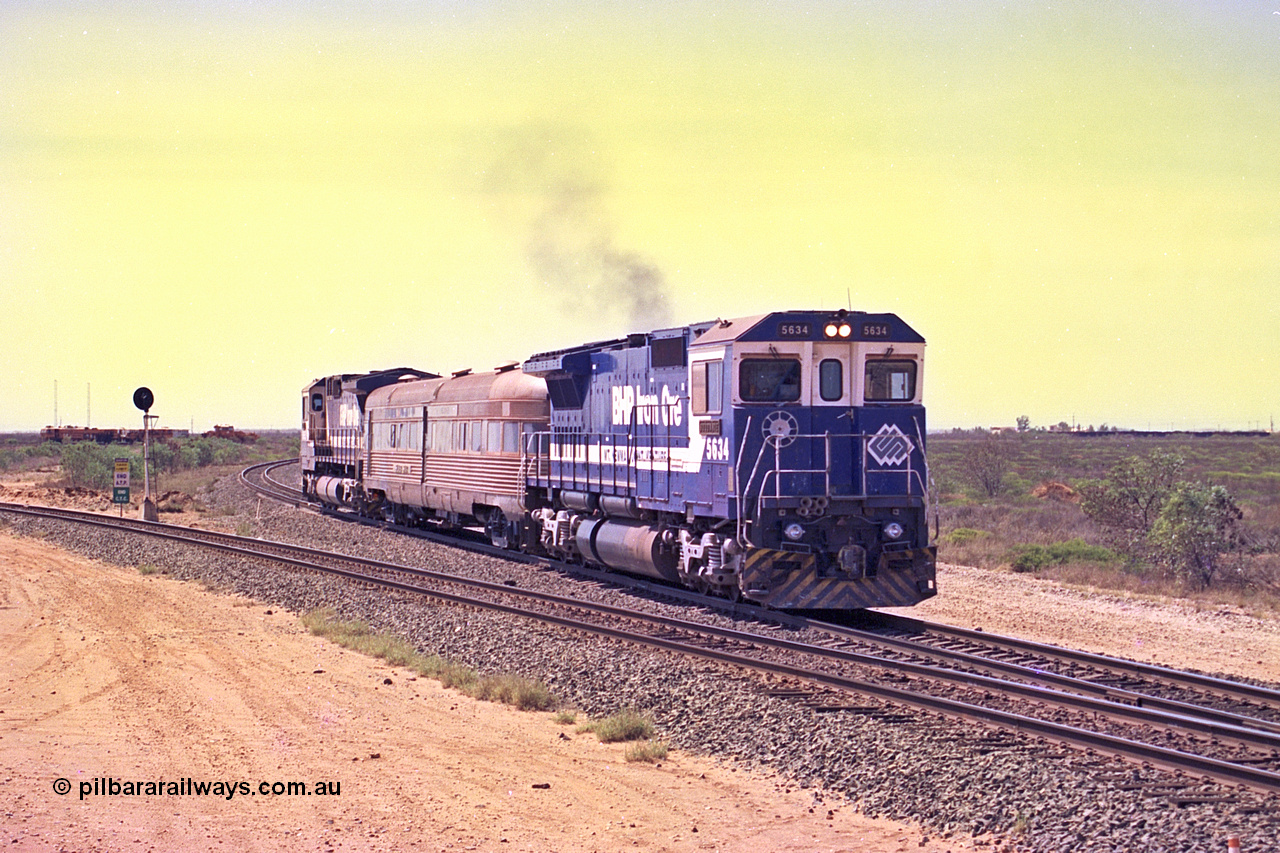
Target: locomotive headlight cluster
893	530
837	330
838	326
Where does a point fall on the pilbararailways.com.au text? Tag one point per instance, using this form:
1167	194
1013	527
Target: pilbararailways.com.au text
112	787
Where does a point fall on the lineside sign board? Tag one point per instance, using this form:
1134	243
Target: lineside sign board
120	487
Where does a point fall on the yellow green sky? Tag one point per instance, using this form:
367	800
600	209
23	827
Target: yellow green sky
1077	204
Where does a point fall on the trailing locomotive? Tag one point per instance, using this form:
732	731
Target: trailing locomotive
778	458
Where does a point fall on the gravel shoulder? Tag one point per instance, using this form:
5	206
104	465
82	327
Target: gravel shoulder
110	673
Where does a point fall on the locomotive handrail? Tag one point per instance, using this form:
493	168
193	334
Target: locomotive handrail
777	471
747	494
569	460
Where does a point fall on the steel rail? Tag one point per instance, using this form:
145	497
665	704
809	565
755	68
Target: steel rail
1232	690
270	488
1205	683
1068	683
1262	780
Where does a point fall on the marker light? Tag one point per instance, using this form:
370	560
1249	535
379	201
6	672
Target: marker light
793	531
893	530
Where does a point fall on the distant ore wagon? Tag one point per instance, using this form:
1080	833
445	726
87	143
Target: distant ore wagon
69	434
231	434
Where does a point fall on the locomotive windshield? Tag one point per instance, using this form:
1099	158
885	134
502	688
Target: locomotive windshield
890	381
772	380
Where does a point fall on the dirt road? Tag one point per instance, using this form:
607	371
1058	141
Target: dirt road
109	675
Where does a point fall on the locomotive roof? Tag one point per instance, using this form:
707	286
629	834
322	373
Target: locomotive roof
507	385
758	327
807	325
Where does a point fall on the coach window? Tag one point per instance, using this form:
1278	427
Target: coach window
769	380
510	437
830	379
706	381
477	436
890	381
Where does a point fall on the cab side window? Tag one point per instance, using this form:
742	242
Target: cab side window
706	384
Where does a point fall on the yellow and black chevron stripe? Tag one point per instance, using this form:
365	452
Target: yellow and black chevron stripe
790	581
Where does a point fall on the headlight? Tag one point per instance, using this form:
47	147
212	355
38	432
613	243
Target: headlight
893	530
794	531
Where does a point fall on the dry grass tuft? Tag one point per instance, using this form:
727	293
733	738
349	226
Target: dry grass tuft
627	724
521	693
647	751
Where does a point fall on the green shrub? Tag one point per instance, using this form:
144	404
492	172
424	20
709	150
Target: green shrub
1030	558
1196	527
88	465
964	535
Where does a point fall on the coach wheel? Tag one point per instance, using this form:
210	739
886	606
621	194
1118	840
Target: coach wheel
498	530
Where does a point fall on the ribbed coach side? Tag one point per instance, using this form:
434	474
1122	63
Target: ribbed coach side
448	450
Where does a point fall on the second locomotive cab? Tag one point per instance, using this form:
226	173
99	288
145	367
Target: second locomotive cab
778	458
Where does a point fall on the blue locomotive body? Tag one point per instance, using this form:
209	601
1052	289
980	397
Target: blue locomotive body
778	457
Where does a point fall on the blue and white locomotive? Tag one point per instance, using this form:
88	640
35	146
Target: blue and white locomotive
778	458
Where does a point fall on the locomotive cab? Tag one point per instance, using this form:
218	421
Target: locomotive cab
832	472
332	440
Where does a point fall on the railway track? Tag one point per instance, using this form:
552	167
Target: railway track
1239	751
257	478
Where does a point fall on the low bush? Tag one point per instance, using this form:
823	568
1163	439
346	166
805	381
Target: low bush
627	724
1031	558
964	536
520	693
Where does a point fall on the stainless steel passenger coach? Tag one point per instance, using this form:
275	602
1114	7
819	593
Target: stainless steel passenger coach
778	458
